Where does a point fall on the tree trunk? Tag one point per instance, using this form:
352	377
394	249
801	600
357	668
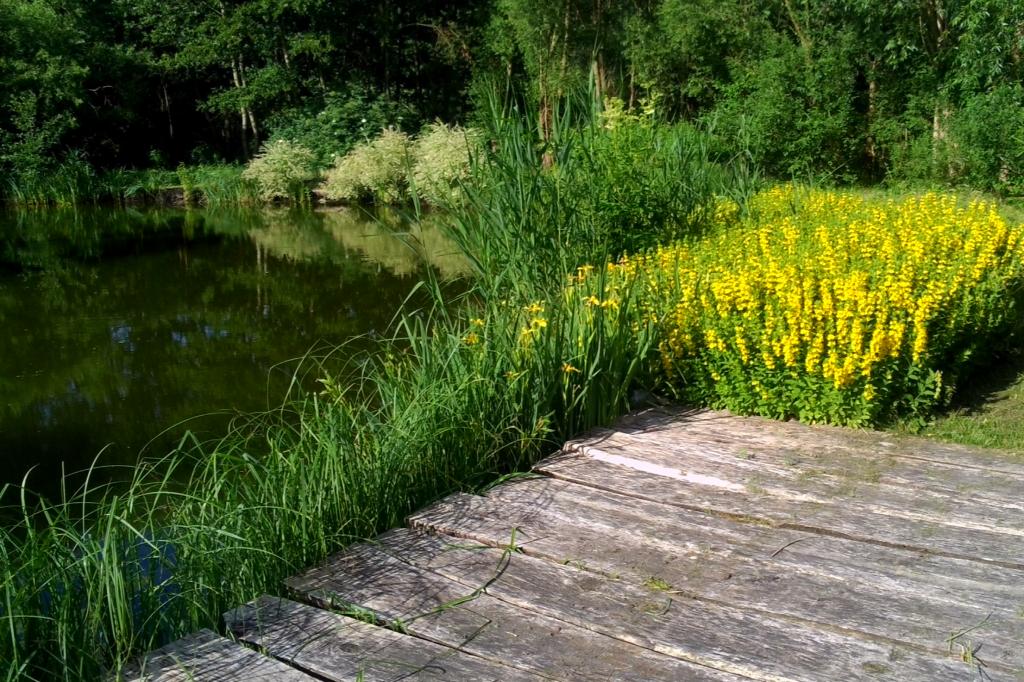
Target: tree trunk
165	104
600	72
545	113
940	140
244	131
248	109
800	31
870	148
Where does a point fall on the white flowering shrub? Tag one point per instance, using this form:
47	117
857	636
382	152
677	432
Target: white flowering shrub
441	158
375	170
282	170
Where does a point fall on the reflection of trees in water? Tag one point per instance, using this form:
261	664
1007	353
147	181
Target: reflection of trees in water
47	239
398	244
293	235
382	236
122	322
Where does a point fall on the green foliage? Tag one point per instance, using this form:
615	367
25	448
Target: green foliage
982	146
795	111
441	161
835	92
41	86
681	51
593	190
282	170
343	121
640	183
375	170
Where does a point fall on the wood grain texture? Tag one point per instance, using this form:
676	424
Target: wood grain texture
463	617
834	439
657	475
207	657
735	640
948	488
334	647
889	594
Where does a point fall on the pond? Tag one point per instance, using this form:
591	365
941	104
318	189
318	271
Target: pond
122	328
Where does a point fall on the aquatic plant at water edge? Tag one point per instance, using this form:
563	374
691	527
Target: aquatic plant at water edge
441	161
375	170
282	170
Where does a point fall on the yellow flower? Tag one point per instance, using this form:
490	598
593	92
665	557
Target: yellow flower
477	322
569	369
534	308
538	323
472	339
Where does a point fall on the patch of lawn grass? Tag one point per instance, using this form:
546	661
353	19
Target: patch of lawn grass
988	412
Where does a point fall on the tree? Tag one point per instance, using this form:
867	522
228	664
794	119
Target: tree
41	84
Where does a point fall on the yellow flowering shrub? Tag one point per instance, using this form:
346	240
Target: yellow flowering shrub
829	306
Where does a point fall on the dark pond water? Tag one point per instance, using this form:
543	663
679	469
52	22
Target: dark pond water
119	325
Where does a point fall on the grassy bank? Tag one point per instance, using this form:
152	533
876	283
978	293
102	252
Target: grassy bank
75	183
988	412
455	401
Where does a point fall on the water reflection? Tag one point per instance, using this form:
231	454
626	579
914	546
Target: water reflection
119	324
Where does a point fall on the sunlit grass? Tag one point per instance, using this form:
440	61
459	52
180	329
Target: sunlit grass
988	412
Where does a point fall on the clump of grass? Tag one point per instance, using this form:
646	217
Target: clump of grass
69	182
216	185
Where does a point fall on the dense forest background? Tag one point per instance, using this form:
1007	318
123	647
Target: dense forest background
830	90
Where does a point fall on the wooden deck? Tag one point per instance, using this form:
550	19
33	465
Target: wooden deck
686	546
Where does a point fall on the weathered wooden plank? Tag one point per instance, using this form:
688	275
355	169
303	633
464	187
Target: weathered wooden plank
943	486
445	611
860	495
654	476
207	657
736	640
881	595
335	647
861	480
828	438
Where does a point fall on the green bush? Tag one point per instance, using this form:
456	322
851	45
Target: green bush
282	170
376	170
601	187
341	122
982	146
796	112
638	182
441	161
